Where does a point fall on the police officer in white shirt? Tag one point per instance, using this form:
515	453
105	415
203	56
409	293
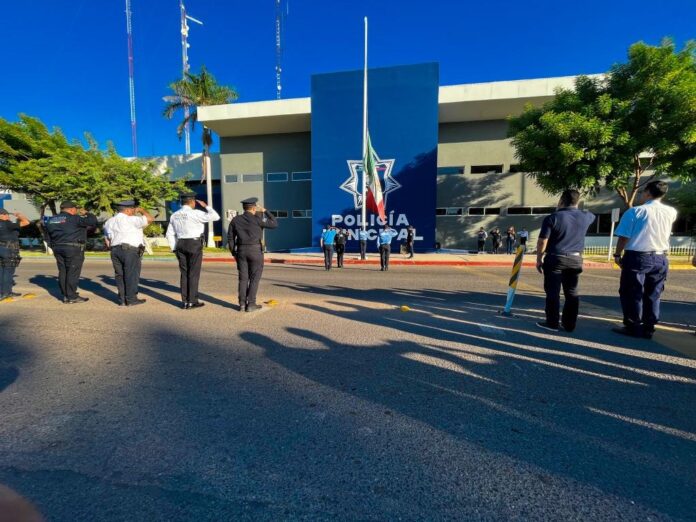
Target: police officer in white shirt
124	236
644	242
185	238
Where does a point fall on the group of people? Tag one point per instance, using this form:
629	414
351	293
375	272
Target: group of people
641	252
511	239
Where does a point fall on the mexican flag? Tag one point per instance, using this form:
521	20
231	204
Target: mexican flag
375	200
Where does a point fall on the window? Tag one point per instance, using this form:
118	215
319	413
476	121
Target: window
493	211
302	213
231	178
302	176
443	171
515	168
449	211
516	211
476	211
543	210
486	169
440	211
279	213
275	177
251	178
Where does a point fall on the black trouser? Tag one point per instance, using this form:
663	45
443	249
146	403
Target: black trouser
69	260
562	271
250	267
481	245
9	258
384	251
643	277
328	256
409	248
363	248
127	264
340	250
189	252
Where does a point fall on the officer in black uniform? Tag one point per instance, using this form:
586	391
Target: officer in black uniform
244	241
340	245
9	251
67	234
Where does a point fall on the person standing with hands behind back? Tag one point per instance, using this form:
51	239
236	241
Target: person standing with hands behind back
9	251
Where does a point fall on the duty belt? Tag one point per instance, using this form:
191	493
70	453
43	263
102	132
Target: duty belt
566	254
126	246
74	244
654	252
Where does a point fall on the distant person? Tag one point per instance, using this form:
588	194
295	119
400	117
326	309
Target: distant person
362	238
559	257
410	238
9	251
524	236
340	246
124	236
481	237
327	246
384	240
244	239
185	238
510	239
67	234
644	242
496	240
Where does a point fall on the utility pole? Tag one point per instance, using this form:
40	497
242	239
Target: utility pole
131	80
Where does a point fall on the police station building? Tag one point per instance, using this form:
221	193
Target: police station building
446	164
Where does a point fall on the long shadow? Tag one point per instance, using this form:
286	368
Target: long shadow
144	290
148	283
48	283
8	375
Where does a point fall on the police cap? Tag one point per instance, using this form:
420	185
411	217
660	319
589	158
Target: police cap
128	203
188	195
68	204
250	201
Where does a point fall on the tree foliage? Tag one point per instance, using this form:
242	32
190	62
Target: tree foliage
47	168
619	131
191	92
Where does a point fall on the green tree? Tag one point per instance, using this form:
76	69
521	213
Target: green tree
620	131
47	168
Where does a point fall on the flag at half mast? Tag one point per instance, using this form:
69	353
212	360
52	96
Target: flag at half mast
374	196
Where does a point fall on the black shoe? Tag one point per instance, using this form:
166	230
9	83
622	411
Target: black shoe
631	333
136	302
381	269
253	307
567	328
196	305
546	326
76	300
185	306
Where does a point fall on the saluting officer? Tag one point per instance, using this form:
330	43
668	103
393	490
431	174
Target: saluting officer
362	237
185	238
328	237
124	235
9	251
67	234
244	241
384	240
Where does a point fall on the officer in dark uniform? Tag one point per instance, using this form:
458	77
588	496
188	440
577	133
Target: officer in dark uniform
340	244
244	241
67	234
9	251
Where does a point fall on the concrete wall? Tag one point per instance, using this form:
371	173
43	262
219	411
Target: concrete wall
261	155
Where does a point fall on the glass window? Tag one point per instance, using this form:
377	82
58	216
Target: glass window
302	213
543	210
280	213
486	169
493	211
454	211
251	178
476	211
275	177
515	168
443	171
302	176
440	211
516	211
231	178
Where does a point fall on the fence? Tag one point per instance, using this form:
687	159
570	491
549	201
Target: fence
687	250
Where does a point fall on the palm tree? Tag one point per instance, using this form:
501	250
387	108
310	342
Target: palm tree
191	92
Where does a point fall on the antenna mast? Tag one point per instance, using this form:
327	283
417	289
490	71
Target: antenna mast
184	63
131	80
279	46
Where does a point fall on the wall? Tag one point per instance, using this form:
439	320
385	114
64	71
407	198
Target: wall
261	155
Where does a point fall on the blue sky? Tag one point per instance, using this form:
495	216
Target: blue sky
66	61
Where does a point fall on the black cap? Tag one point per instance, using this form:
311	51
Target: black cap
250	201
126	203
68	204
188	195
4	212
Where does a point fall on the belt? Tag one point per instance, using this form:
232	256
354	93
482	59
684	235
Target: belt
126	246
566	254
654	252
249	244
78	245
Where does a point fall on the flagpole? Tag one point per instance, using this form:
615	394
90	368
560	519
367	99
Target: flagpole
364	151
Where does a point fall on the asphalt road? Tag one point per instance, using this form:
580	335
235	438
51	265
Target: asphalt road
336	405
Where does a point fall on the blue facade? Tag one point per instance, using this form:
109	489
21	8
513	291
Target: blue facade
403	125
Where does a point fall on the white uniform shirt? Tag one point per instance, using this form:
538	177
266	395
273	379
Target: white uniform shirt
647	226
125	230
187	223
